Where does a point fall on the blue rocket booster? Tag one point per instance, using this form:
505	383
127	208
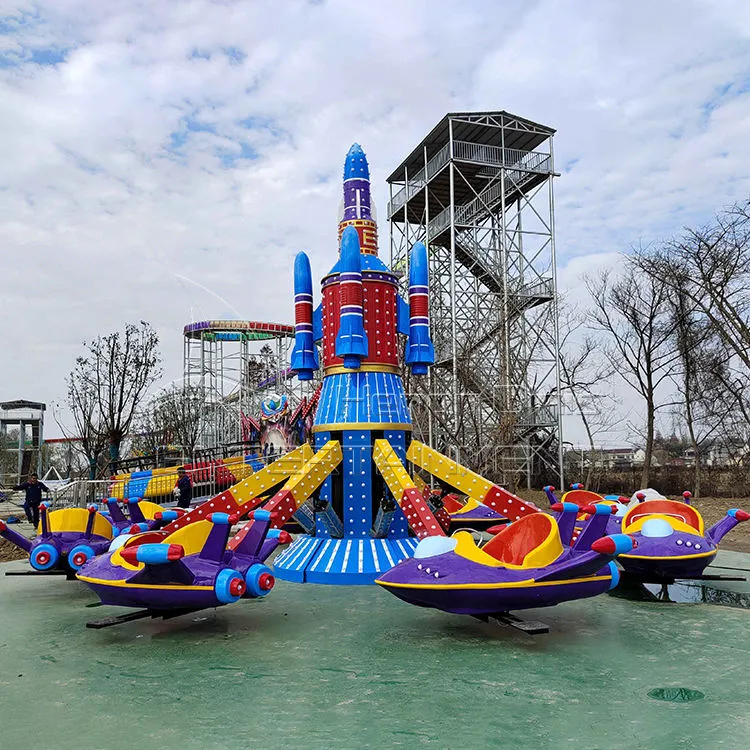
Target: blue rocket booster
305	354
420	352
351	341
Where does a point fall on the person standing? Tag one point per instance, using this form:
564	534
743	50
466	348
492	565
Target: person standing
185	486
33	489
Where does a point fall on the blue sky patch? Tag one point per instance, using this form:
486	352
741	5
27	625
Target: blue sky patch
234	54
268	124
188	124
230	157
50	56
12	24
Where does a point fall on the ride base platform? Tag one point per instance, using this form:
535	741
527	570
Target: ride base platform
352	667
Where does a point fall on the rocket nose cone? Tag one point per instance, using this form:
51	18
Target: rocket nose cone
302	273
418	264
302	262
355	165
419	255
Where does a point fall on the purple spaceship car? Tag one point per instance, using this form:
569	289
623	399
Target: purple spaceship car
67	539
191	569
531	563
142	515
471	514
70	537
672	541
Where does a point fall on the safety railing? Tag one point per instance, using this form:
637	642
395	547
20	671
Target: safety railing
522	163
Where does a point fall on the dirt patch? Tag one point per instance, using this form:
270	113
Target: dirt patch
10	552
712	509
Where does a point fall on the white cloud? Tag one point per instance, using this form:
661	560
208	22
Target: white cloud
145	143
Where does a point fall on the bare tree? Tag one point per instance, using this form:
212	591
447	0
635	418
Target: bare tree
110	382
632	311
87	434
707	272
180	411
147	432
711	266
584	381
707	404
174	417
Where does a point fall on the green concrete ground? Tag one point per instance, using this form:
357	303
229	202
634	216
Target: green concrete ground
330	667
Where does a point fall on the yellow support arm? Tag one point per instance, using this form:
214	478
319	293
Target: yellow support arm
448	470
415	507
468	482
304	482
419	483
312	474
391	468
243	496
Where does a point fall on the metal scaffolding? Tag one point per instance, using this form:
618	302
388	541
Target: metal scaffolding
236	365
478	192
21	451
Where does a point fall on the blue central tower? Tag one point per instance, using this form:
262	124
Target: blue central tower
357	529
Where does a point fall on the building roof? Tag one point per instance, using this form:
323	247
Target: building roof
21	404
499	128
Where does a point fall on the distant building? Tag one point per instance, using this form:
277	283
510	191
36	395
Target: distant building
735	453
605	458
21	439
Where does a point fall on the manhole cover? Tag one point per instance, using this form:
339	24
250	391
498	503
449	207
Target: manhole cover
675	694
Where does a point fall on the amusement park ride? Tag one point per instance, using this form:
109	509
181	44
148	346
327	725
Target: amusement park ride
367	515
364	498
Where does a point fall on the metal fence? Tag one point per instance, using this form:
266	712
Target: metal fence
208	479
80	493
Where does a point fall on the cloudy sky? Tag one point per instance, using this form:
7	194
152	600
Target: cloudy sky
165	160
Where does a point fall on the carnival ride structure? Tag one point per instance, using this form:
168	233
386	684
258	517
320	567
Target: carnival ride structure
673	542
69	537
478	190
353	494
531	563
188	570
250	396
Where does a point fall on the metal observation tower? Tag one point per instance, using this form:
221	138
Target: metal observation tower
478	192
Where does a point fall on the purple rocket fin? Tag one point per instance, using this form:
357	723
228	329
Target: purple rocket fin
566	521
549	491
44	519
602	551
216	543
92	509
734	516
595	527
256	535
115	511
134	508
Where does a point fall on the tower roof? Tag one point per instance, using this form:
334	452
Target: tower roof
22	404
498	128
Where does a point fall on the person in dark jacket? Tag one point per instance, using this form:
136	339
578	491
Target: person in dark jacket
33	489
185	486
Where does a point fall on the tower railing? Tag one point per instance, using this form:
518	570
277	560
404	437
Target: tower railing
522	161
